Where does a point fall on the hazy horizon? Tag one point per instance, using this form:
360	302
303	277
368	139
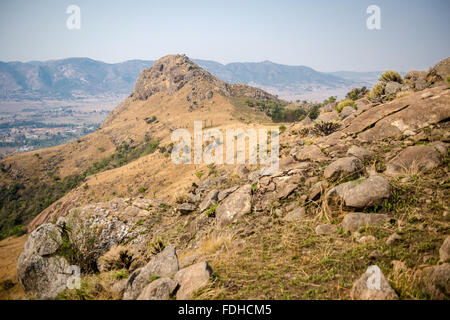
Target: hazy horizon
326	35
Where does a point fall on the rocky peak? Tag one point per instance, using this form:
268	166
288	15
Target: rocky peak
170	74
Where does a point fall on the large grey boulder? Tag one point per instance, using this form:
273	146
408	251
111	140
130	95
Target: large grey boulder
360	152
373	286
392	88
354	221
160	289
311	152
191	279
343	167
361	193
43	274
164	264
414	159
371	192
295	215
234	206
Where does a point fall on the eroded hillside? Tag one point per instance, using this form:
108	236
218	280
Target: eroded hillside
364	185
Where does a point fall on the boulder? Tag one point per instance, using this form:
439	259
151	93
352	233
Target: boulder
225	193
414	159
354	221
370	192
439	72
436	281
359	152
392	88
346	112
311	152
43	274
159	289
43	277
295	215
164	264
191	279
373	286
361	193
209	200
234	206
327	117
326	229
186	208
343	167
444	251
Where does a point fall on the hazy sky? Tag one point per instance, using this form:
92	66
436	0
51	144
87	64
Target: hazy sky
327	35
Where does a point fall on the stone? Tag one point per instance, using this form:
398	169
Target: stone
295	215
326	229
444	251
327	117
209	200
414	159
437	281
361	153
117	288
346	112
311	152
373	285
159	289
186	208
41	274
343	167
191	279
234	206
43	241
164	264
441	147
317	189
367	239
392	88
225	193
43	277
370	192
356	220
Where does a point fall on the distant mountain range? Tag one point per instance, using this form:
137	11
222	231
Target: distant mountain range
83	77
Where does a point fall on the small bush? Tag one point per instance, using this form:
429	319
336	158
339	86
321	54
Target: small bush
142	189
211	212
376	92
357	93
448	80
314	112
344	104
282	128
390	75
325	128
122	274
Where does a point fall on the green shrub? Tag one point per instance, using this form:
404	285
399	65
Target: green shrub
344	104
357	93
376	92
314	112
282	128
390	75
18	231
211	212
448	80
142	189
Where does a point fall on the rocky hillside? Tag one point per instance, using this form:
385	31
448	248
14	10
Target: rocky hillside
361	191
